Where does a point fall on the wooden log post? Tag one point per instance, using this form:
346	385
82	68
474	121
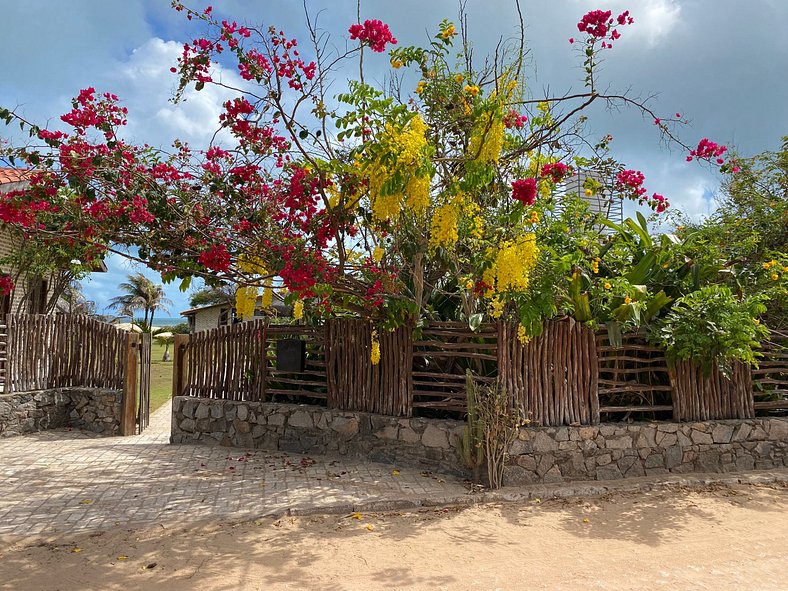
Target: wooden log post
179	364
128	419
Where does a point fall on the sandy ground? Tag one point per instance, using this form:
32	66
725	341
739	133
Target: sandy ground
718	538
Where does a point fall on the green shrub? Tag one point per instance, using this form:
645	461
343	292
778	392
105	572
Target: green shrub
712	326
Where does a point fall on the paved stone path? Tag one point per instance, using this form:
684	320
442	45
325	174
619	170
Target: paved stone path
64	482
70	481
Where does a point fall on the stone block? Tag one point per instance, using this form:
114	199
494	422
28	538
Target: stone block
655	460
187	425
216	410
673	456
722	433
242	427
609	472
709	461
347	426
203	411
543	443
242	412
700	437
603	459
742	432
619	443
301	419
408	435
546	462
518	476
276	419
778	429
388	432
527	462
435	437
552	476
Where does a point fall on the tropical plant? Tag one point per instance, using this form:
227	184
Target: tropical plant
712	327
209	295
141	294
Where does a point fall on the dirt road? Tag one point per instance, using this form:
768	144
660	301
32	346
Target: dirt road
718	538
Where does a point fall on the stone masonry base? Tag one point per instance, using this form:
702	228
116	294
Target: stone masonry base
539	455
92	409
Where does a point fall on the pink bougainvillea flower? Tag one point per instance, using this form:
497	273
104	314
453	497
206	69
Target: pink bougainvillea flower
374	32
524	190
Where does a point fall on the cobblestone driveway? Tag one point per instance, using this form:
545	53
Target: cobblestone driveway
69	481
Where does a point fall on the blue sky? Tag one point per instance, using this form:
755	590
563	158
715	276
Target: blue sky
721	63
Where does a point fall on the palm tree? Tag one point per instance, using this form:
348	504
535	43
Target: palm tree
141	294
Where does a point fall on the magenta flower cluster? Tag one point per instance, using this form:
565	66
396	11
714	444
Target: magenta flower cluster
374	32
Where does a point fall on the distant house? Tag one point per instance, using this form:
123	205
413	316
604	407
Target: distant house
32	293
223	314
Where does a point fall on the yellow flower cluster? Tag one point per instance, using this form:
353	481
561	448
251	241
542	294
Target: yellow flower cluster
246	296
245	302
448	32
377	254
298	310
487	139
472	213
472	89
595	265
522	336
268	297
410	141
496	307
374	354
513	264
408	144
417	194
443	229
534	218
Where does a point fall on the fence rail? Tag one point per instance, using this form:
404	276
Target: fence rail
62	351
567	375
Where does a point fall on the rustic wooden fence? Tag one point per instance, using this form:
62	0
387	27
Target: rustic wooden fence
72	351
568	375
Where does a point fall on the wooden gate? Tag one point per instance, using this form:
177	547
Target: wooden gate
136	384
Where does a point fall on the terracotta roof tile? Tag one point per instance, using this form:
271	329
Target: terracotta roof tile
14	175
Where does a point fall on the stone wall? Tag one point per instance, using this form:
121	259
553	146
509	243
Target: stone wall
541	454
91	409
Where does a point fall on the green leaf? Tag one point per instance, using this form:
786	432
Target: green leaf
614	334
185	283
475	321
303	134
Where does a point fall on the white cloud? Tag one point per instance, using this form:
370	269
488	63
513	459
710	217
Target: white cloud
655	20
146	85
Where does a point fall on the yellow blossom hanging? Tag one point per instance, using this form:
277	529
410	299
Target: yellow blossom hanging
374	354
514	262
443	230
298	310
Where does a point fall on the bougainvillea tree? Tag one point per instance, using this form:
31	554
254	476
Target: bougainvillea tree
422	199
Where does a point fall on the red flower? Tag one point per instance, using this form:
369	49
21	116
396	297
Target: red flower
374	32
524	190
215	258
556	171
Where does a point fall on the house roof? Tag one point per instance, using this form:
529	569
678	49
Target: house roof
278	305
193	311
14	175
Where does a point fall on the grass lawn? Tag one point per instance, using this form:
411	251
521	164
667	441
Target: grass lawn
160	377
